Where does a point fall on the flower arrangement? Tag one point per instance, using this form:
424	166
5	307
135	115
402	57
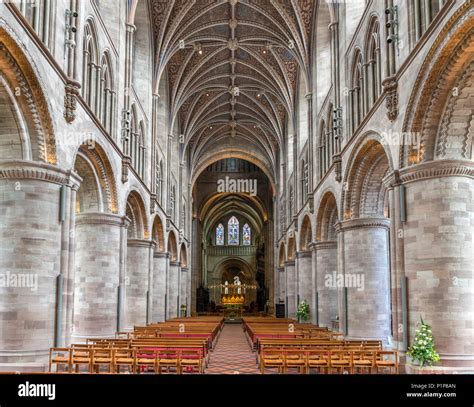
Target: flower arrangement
303	311
423	348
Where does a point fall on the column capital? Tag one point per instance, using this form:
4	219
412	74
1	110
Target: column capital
431	169
362	223
33	170
131	28
160	255
333	25
324	244
141	243
101	218
303	254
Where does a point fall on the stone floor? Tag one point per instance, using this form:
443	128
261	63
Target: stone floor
232	354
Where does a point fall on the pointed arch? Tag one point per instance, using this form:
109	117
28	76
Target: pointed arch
107	92
90	63
246	235
220	235
374	65
233	231
356	92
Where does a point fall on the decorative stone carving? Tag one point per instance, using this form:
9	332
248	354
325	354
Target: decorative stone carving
337	160
153	199
391	99
70	100
126	165
233	44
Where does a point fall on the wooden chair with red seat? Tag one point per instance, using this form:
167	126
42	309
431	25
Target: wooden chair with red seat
318	359
272	358
295	359
145	360
167	359
124	357
191	361
60	357
340	360
387	359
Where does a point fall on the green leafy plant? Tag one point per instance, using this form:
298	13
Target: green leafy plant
423	348
303	311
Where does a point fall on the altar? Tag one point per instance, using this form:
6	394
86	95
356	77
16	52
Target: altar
233	298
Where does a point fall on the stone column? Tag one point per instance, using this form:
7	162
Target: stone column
173	289
96	279
439	256
365	276
196	269
183	286
326	266
281	278
305	279
291	298
30	262
137	279
159	287
68	283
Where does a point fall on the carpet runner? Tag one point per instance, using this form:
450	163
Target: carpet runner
232	354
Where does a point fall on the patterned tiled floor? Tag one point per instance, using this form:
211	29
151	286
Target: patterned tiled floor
232	354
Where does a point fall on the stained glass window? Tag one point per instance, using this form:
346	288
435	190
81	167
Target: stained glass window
220	235
233	231
246	240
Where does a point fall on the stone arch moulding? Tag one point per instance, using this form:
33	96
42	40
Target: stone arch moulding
306	234
327	216
158	233
172	246
282	255
98	157
291	249
135	210
445	63
21	75
358	174
183	256
220	267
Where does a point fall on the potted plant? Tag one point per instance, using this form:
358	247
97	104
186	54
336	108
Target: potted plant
303	311
423	349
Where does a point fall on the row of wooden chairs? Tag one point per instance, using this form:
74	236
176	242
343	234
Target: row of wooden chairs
133	360
329	361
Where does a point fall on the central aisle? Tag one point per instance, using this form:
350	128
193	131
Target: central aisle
232	354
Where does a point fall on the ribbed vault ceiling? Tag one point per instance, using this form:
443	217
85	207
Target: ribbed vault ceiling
232	69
